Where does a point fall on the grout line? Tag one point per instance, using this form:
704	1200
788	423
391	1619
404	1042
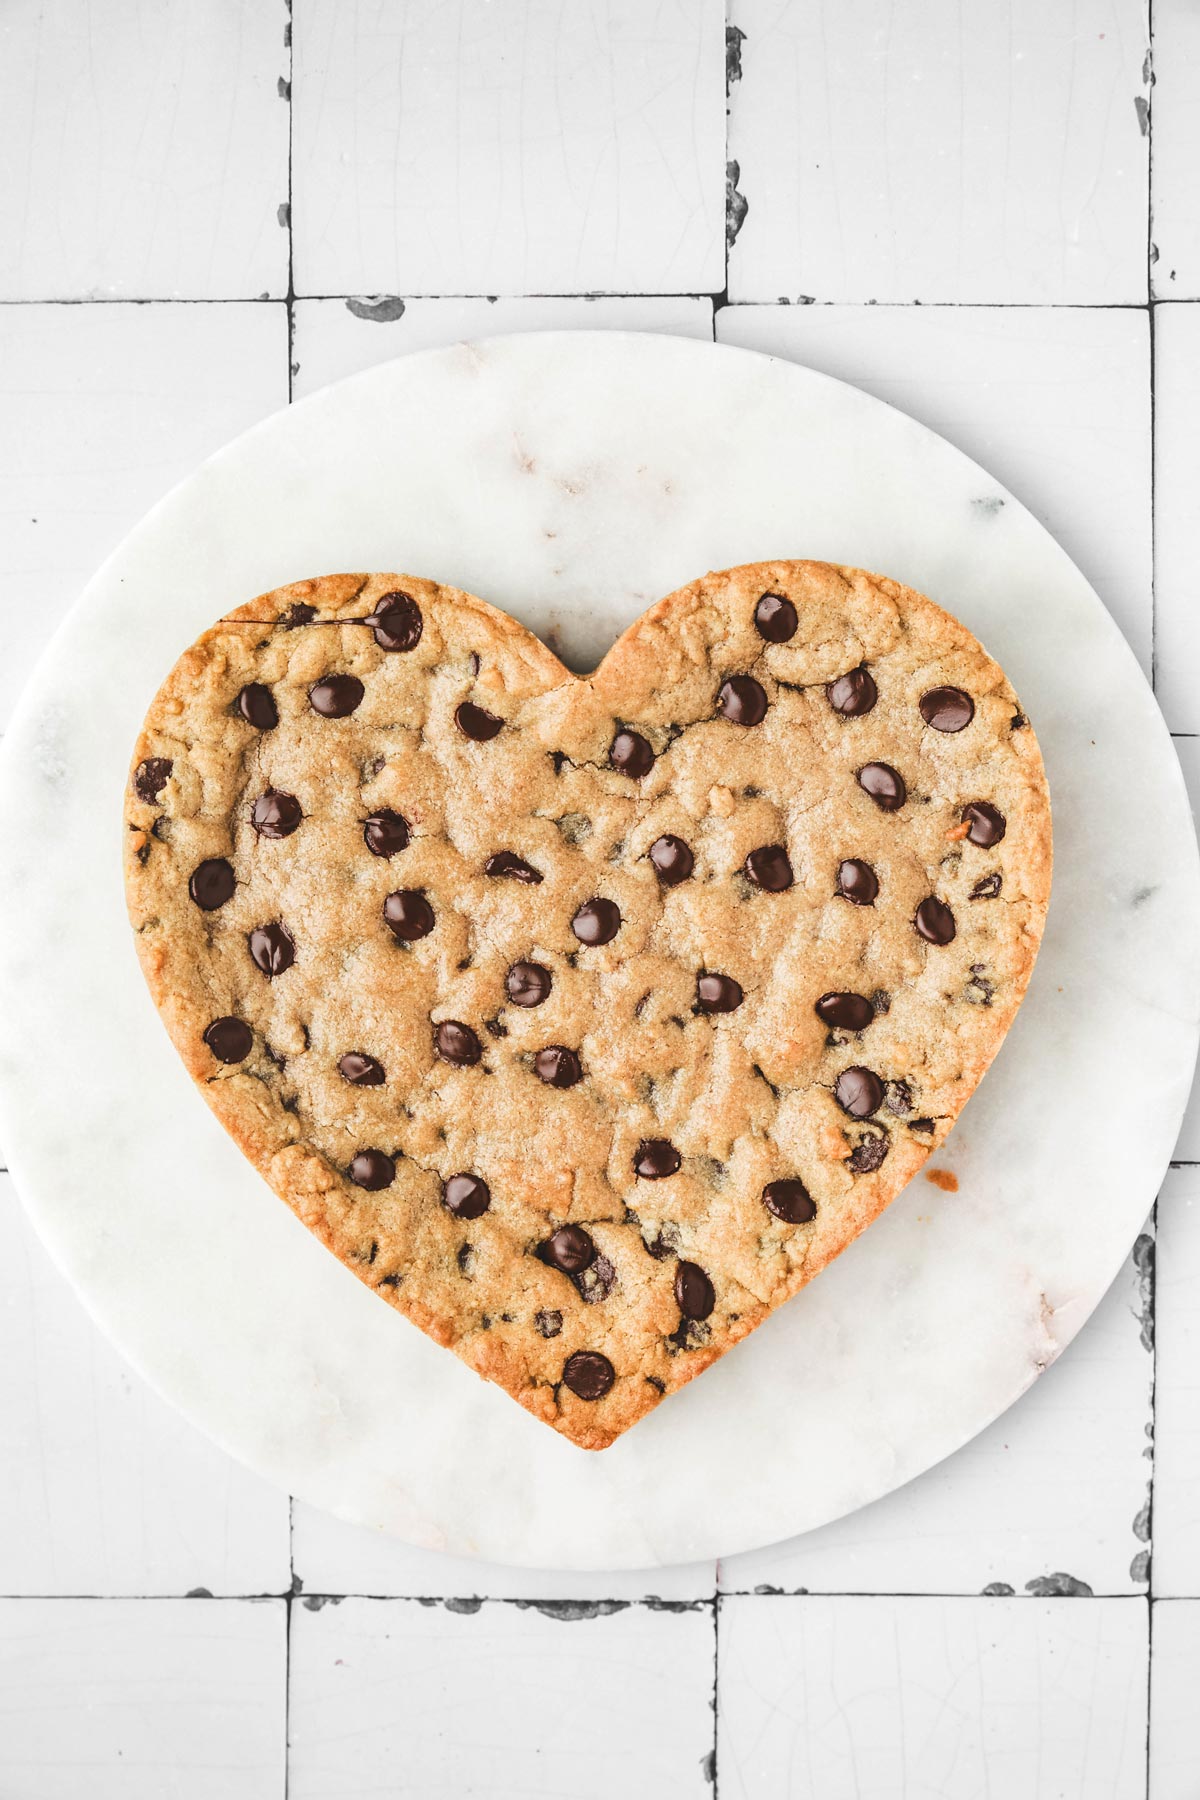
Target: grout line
1149	1682
716	1747
647	1602
719	297
291	287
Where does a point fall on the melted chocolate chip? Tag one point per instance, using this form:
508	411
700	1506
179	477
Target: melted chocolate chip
151	778
897	1097
336	696
408	914
527	984
569	1249
664	1243
257	706
742	700
769	868
212	883
276	814
557	1066
947	709
718	993
515	868
672	859
869	1152
631	754
597	1281
858	1092
597	921
694	1294
775	619
924	1126
985	824
988	887
884	784
845	1012
789	1201
857	882
477	723
372	1169
230	1040
272	949
588	1374
396	621
655	1159
456	1043
853	694
300	614
934	921
385	833
360	1069
548	1323
466	1196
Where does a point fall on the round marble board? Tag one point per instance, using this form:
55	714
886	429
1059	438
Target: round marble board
573	479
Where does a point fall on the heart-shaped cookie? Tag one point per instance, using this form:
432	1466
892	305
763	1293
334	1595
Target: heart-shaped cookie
587	1019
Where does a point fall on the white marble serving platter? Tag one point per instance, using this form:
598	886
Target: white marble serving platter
573	478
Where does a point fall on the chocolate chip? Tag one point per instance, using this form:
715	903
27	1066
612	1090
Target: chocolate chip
924	1126
212	883
276	814
151	778
527	984
396	621
857	882
385	833
775	619
694	1293
858	1092
980	991
934	921
477	723
597	1281
742	700
300	614
947	709
360	1069
986	825
664	1243
408	914
672	859
789	1201
569	1249
588	1374
897	1097
337	696
465	1259
230	1040
549	1323
845	1012
272	949
466	1196
655	1159
597	921
718	993
456	1043
557	1066
853	694
630	754
884	784
869	1152
372	1169
515	868
987	888
769	868
257	706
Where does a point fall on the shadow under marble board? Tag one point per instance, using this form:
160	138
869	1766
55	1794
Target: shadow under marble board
573	478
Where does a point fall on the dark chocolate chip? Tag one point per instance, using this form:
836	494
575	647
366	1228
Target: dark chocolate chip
884	784
597	921
846	1012
630	754
456	1043
230	1040
857	882
742	700
212	883
672	859
300	614
897	1097
466	1196
924	1126
569	1249
385	833
477	723
360	1069
986	825
769	868
151	778
934	921
372	1169
276	814
557	1066
789	1201
853	694
549	1323
588	1374
408	914
859	1092
775	619
947	709
272	948
597	1281
655	1159
869	1152
336	696
664	1243
505	863
718	993
694	1293
527	984
396	621
988	887
257	706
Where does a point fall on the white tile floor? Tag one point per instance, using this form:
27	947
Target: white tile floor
987	1630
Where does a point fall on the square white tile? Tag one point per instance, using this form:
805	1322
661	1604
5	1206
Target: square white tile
935	153
1187	1149
841	1699
105	408
1051	1497
1177	1389
142	1699
106	1489
1054	403
390	1697
518	149
145	150
1176	485
1174	1680
1175	269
